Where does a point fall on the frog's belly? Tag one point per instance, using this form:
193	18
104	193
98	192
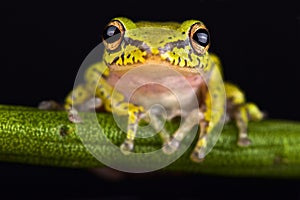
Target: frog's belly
174	102
175	92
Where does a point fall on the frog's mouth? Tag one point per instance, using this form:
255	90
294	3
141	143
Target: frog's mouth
156	70
155	60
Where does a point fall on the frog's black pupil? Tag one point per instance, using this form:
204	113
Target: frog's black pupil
111	34
201	36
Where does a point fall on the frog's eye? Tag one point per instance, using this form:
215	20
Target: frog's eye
199	38
113	35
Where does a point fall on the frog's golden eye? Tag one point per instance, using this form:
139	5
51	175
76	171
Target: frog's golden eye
199	38
113	35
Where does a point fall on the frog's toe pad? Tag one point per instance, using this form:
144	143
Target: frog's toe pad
244	142
127	147
171	146
197	156
74	116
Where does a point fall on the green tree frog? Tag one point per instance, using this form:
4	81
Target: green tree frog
180	46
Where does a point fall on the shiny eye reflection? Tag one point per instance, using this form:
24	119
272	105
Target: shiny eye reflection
201	37
111	31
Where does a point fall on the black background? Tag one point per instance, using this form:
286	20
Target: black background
42	47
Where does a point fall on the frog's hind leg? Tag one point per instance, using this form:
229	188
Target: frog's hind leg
81	98
236	110
86	96
241	112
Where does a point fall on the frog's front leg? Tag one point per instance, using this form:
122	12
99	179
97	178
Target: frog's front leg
190	121
199	116
135	113
116	103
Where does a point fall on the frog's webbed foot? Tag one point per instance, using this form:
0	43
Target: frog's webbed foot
243	140
127	146
198	156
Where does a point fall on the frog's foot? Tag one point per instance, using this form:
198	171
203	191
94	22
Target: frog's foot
74	116
50	105
127	146
199	152
244	141
171	146
198	155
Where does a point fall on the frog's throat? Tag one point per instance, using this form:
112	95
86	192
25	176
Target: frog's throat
154	60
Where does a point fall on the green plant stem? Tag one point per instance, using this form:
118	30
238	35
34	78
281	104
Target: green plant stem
32	136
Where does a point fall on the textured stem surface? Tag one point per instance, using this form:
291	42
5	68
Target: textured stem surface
32	136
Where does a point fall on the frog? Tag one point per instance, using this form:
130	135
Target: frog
183	47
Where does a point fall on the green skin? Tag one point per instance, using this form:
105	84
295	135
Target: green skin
169	45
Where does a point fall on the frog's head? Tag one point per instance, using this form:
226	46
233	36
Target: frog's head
128	44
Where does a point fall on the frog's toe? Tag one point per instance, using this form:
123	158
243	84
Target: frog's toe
171	146
198	155
74	116
244	142
127	147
